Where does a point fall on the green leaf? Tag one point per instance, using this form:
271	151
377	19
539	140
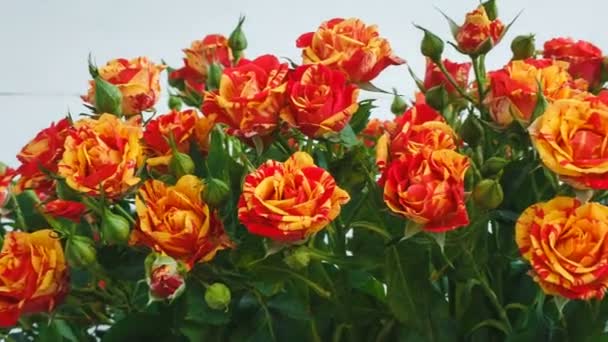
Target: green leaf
108	98
122	263
348	138
369	86
541	103
416	79
367	283
287	303
28	206
454	27
141	326
196	308
411	228
361	116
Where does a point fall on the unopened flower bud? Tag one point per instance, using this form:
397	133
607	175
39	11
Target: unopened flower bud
237	39
471	131
398	106
216	192
80	251
298	258
493	166
165	277
488	194
431	45
437	97
175	103
218	296
181	164
115	229
523	47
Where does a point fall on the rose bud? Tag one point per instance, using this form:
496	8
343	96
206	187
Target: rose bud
431	45
175	103
298	258
237	39
80	251
214	74
108	98
398	106
488	194
523	47
216	192
493	166
217	296
437	97
181	164
115	229
165	277
479	33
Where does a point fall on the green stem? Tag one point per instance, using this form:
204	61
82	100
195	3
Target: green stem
266	313
450	79
314	286
373	228
127	215
19	218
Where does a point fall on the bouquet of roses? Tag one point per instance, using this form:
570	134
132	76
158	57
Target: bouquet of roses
267	205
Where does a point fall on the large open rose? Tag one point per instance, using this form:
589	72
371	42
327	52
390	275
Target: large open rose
566	243
350	46
250	96
102	156
290	201
137	79
33	274
320	100
419	129
571	138
174	220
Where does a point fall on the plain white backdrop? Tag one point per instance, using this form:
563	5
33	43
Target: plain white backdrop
44	44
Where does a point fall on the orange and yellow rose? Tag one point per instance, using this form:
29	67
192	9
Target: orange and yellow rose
213	48
478	30
289	201
320	100
250	96
428	189
514	88
571	138
40	157
175	125
348	45
174	220
566	244
33	275
102	155
138	82
434	77
6	180
585	59
420	129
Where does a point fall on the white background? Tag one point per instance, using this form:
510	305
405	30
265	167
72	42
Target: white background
44	44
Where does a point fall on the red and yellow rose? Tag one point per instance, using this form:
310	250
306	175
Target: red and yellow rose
571	138
434	77
70	210
428	189
566	244
175	125
213	48
348	45
102	155
6	180
374	129
33	275
174	220
138	82
585	59
419	130
250	96
289	201
514	88
320	100
478	30
40	157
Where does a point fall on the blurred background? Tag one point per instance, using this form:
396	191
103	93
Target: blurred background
45	43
